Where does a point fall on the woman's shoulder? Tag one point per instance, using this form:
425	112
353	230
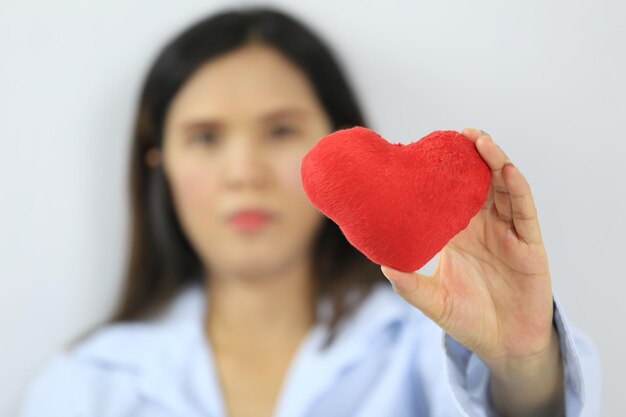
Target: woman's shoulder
110	363
114	362
71	381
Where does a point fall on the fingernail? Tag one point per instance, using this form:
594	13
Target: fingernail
386	274
382	269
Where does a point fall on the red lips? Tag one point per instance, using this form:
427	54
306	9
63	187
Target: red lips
250	219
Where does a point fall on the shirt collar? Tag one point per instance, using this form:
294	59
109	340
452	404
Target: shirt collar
172	346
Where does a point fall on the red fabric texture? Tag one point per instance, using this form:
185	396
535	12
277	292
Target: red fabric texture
397	204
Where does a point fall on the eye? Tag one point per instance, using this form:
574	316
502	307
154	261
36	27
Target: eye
204	137
283	131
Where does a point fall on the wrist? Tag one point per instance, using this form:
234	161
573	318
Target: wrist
531	385
528	366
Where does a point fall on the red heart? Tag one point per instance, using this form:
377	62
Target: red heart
397	204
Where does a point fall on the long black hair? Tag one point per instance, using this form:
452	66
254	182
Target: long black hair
161	260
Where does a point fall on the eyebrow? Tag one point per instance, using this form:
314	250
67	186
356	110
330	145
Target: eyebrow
295	112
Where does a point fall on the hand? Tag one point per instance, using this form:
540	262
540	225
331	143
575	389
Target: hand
491	287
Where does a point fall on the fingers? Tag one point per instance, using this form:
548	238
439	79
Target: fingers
472	133
509	190
422	291
496	159
522	206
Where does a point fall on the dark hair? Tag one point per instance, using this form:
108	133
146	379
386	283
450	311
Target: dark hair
161	260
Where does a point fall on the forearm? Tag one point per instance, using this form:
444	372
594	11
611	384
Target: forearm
533	387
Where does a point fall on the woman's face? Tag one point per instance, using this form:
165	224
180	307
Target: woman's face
235	136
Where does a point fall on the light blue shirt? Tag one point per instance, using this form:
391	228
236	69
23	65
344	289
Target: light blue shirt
389	361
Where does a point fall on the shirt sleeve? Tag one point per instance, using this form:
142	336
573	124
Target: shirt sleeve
468	376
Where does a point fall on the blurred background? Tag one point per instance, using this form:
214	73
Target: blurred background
545	79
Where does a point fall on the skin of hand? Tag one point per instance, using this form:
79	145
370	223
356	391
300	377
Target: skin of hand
491	291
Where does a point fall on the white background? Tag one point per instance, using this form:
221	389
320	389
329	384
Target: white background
546	79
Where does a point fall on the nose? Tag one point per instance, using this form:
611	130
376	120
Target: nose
245	166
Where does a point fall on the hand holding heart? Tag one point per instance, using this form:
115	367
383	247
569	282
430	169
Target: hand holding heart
491	288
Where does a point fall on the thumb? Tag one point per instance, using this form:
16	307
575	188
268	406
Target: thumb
424	292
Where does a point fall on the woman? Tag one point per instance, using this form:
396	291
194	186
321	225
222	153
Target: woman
242	299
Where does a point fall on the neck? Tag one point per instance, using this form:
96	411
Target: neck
260	312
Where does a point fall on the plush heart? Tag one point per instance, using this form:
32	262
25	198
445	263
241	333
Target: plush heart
397	204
